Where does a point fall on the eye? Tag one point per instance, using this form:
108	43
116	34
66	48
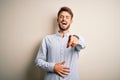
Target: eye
67	17
61	16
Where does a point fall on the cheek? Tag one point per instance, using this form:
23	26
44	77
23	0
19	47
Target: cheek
59	20
69	22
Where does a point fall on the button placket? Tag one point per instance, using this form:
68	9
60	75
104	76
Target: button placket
62	50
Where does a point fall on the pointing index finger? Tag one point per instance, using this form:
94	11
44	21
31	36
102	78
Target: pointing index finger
69	41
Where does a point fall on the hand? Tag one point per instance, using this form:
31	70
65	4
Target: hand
72	41
61	70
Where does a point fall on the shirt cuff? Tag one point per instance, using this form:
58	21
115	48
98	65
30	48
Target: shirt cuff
51	67
78	47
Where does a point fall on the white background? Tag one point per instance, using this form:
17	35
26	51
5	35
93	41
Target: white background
23	24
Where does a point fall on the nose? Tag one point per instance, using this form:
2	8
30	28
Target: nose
64	18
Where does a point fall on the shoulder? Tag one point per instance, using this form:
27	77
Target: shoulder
49	37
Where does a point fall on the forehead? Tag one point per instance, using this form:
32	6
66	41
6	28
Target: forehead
65	13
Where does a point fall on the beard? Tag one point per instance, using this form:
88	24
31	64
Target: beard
64	29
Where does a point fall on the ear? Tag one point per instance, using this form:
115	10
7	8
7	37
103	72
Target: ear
57	19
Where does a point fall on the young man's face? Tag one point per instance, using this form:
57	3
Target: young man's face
64	20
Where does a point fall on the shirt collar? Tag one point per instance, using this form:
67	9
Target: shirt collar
66	35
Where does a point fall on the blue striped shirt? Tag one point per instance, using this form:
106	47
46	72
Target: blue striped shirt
53	50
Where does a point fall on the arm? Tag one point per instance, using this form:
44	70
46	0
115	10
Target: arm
41	58
50	67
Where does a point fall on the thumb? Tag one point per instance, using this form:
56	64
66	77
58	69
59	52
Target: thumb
61	63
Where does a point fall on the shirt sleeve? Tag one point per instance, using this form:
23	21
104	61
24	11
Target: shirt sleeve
41	58
81	43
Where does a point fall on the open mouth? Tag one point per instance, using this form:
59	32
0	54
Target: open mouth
64	23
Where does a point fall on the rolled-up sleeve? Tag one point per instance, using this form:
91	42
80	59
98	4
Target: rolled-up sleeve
41	58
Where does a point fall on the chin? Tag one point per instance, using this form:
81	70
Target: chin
64	28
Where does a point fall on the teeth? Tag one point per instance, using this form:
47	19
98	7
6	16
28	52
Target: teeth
64	23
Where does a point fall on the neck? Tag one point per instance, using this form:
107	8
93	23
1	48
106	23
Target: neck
63	32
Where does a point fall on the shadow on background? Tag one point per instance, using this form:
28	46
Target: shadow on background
34	72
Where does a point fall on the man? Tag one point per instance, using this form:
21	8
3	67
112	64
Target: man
59	52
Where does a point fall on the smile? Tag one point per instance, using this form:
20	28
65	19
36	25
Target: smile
64	22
